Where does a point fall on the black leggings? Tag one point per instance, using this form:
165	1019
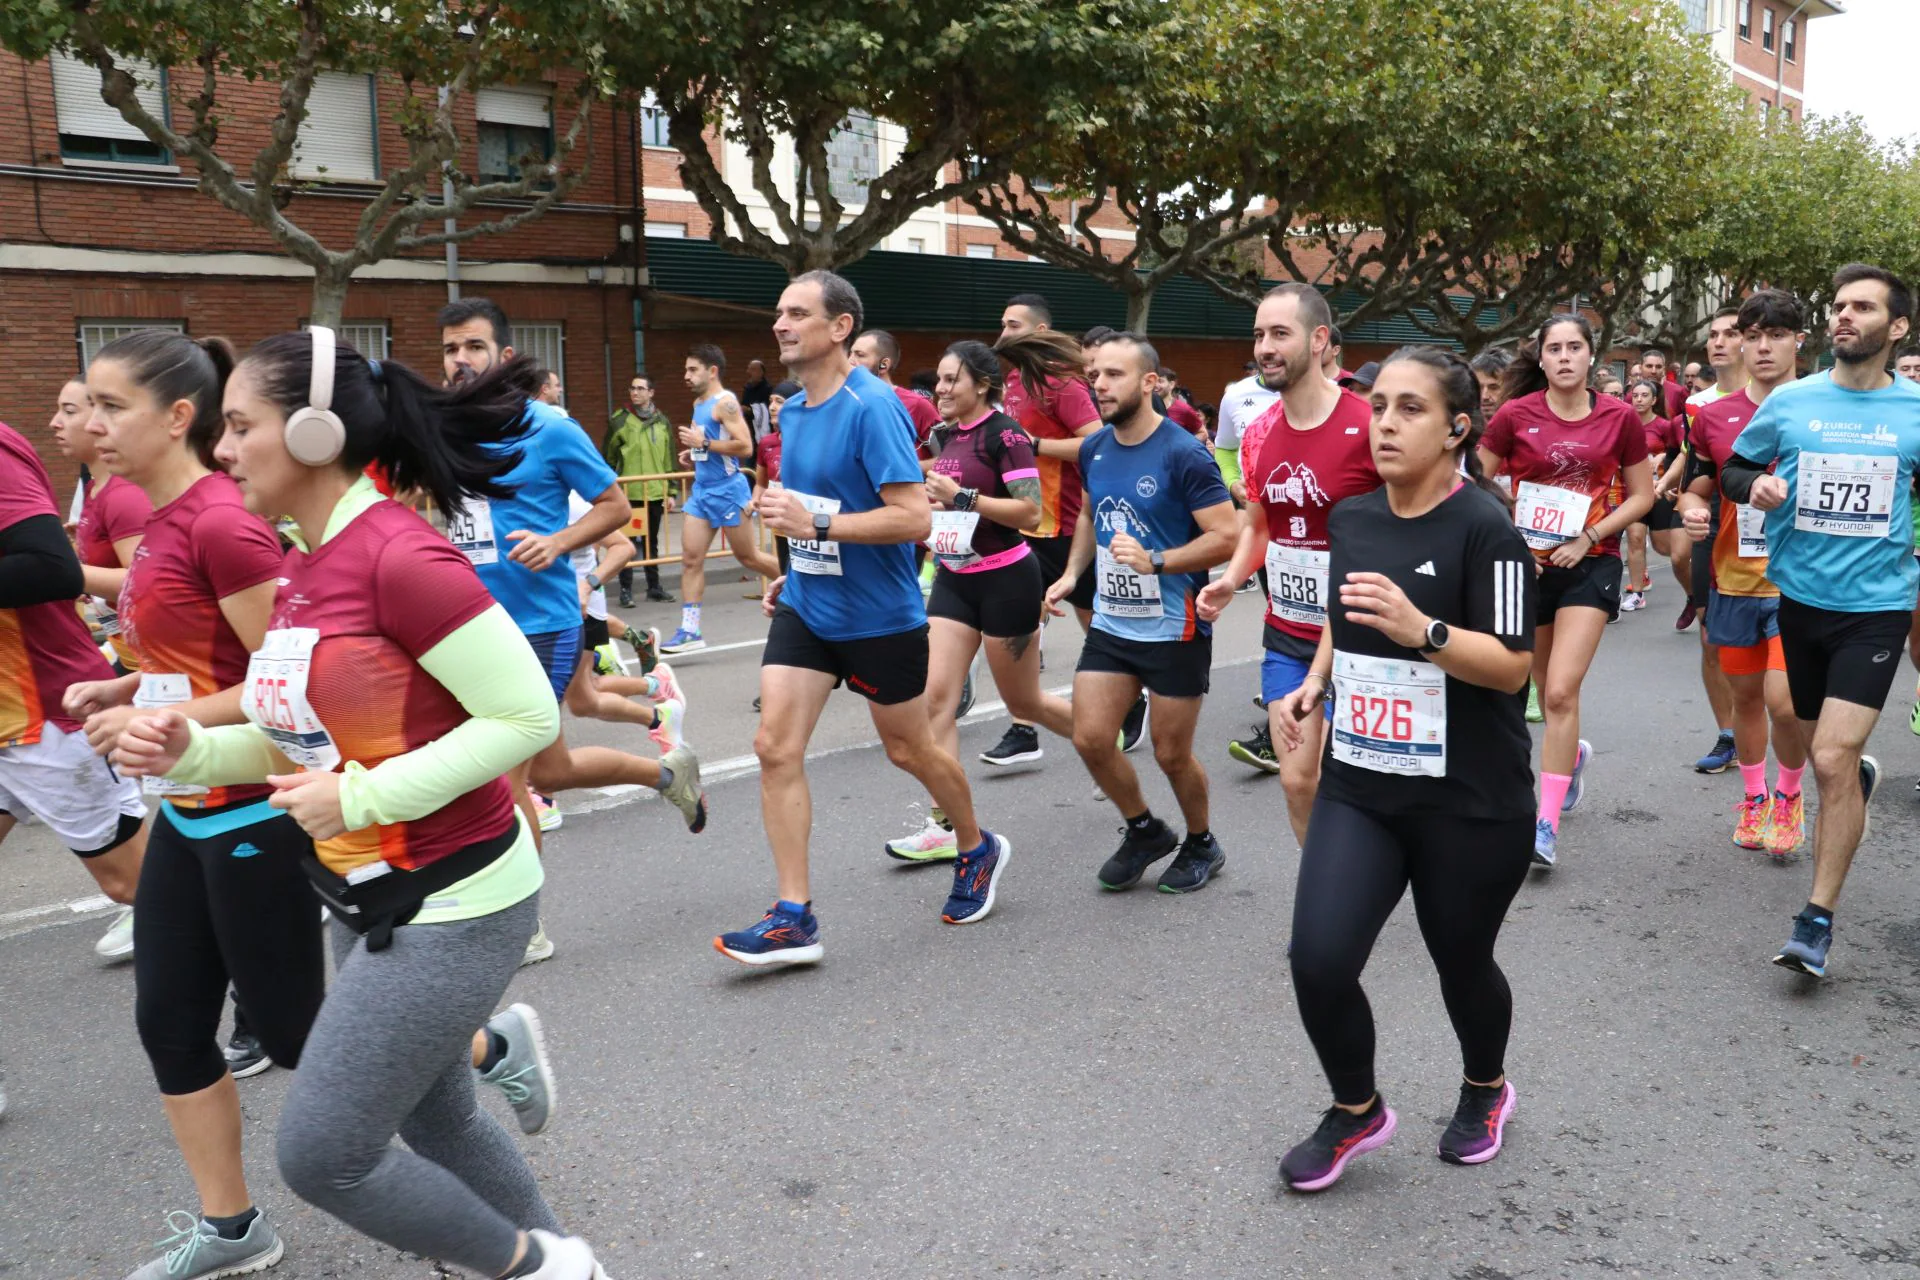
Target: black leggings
232	906
1464	872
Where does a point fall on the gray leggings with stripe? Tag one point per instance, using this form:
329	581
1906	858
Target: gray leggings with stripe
390	1053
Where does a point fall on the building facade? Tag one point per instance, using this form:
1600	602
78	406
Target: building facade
1764	45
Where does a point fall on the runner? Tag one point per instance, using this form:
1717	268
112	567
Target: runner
767	461
715	445
222	898
984	490
1906	362
1578	462
1663	441
1243	404
1843	447
597	695
853	499
1490	370
1312	453
1743	606
1058	416
1653	368
1723	353
1330	359
1427	782
1157	516
641	442
878	352
386	704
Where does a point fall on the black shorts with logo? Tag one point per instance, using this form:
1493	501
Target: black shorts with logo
1849	656
1594	583
1166	668
1053	553
1002	603
883	669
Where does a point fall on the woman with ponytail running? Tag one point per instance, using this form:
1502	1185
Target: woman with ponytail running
384	709
1578	463
1426	783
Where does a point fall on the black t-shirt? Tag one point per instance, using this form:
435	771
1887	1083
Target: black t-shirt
1464	563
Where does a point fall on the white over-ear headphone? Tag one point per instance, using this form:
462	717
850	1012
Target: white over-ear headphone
315	435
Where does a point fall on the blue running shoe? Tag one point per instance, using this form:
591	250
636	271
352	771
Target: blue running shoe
1806	951
1577	784
1718	760
976	878
1545	843
683	641
781	937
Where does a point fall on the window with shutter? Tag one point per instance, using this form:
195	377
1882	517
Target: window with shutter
515	125
545	343
92	130
368	337
337	141
92	335
653	122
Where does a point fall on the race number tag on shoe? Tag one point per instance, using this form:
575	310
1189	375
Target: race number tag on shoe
470	529
1120	592
1297	584
1845	493
159	689
275	698
1547	515
814	555
952	538
1753	531
1390	715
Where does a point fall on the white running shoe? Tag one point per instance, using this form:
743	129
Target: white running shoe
932	843
539	946
117	942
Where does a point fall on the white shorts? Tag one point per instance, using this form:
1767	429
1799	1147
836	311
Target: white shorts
62	783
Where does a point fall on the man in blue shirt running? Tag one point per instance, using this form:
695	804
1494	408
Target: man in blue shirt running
1844	446
1156	517
852	502
716	444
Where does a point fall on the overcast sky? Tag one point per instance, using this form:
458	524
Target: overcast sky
1865	61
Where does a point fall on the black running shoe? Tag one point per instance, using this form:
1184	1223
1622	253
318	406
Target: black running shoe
1134	728
1136	853
1256	750
1479	1124
1020	744
1199	862
1317	1163
966	698
244	1055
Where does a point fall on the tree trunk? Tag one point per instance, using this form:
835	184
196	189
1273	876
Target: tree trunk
329	297
1139	306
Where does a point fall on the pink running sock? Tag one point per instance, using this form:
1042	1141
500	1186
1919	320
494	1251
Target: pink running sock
1753	779
1553	791
1789	784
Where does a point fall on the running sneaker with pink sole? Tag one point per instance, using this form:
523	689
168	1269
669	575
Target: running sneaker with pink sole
1479	1123
1317	1163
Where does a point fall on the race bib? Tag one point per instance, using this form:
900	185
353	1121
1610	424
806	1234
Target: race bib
696	455
952	538
275	698
165	690
1753	531
814	555
1845	493
1120	592
1297	584
1547	515
104	615
1390	715
470	529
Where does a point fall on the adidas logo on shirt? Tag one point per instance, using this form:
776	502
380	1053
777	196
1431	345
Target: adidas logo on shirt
1427	569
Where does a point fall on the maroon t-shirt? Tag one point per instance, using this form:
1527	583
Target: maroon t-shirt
43	647
1676	398
115	511
1297	478
986	455
1663	436
1186	416
385	590
1588	457
1062	407
920	409
767	454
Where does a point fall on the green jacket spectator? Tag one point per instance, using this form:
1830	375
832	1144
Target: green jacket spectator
641	443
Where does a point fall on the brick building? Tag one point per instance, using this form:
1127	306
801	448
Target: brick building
1764	45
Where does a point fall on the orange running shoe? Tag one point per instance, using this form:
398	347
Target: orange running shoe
1789	825
1756	820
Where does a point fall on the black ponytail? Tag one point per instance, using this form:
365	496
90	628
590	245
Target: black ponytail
425	438
1525	376
1461	392
174	367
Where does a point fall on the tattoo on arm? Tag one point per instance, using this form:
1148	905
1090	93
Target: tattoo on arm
1027	490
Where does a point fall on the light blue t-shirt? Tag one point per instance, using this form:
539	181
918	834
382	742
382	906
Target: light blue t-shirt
715	472
1843	540
1149	490
835	456
556	458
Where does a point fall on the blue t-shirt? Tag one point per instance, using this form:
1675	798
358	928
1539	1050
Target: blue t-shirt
556	458
1149	490
715	472
841	452
1843	540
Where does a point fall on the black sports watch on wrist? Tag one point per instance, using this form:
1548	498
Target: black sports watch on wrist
1158	560
821	523
963	499
1437	637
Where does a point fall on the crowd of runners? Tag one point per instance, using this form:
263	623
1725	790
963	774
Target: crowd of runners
287	675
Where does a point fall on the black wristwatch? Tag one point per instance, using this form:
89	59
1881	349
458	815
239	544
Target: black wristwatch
821	523
963	499
1437	637
1158	560
593	582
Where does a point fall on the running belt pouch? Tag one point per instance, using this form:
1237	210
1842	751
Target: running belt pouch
375	908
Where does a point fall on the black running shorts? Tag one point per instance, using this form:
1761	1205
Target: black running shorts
1594	583
1849	656
1165	668
1002	603
883	669
1053	562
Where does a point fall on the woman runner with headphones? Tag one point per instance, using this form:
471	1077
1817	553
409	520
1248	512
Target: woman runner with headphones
387	703
1426	782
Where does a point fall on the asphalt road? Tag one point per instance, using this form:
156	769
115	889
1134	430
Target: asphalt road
1100	1085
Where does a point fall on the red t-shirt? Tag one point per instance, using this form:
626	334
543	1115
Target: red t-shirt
1185	415
1715	427
115	511
198	549
43	647
1676	398
1663	435
1297	477
920	409
384	591
1588	457
767	454
1065	406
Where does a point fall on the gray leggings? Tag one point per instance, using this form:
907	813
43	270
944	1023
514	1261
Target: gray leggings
391	1053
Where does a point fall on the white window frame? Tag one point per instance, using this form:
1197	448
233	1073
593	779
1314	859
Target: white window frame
515	107
371	338
916	244
1743	22
974	251
339	140
667	230
1766	28
546	342
653	123
80	111
1790	40
91	335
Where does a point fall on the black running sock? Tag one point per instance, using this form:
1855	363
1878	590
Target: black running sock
1813	911
496	1050
1142	824
231	1228
1200	837
529	1263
